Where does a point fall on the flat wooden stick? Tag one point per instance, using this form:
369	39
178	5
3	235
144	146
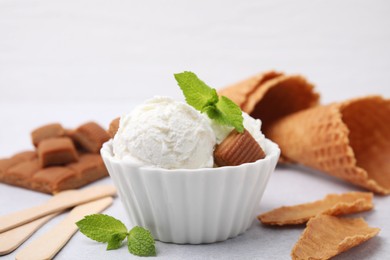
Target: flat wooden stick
16	219
48	245
13	238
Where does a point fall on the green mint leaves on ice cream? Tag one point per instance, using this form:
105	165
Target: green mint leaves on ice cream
107	229
205	99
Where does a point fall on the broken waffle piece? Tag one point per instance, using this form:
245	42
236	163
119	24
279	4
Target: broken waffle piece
114	126
326	236
56	151
46	132
90	136
237	149
332	204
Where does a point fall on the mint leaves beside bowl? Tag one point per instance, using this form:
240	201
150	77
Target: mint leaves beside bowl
107	229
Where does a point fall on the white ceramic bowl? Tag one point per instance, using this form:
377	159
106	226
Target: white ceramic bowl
192	206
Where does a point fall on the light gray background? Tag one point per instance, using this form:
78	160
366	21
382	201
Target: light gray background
74	61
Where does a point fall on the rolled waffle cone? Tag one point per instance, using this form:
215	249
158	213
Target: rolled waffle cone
348	140
272	95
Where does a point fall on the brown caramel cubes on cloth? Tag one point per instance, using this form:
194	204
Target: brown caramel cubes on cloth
57	165
90	136
237	149
46	132
56	151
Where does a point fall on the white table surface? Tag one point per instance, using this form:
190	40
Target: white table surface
74	61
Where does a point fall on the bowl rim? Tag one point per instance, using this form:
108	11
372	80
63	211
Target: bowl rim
272	153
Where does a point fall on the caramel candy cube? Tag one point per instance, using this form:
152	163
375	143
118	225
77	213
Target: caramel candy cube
18	158
56	151
237	149
6	164
26	155
90	136
89	168
21	173
68	132
45	132
55	179
114	126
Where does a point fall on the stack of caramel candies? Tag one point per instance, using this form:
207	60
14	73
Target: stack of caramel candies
63	159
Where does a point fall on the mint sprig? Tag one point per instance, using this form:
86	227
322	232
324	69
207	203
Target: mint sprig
205	99
107	229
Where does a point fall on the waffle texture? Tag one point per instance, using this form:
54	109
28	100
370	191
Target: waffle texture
272	95
349	140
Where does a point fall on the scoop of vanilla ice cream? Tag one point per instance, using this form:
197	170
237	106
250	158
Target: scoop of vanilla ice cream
165	133
252	125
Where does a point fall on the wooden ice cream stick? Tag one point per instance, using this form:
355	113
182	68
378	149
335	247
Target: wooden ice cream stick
12	239
48	245
16	219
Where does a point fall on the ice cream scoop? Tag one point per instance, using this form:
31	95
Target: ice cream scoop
167	134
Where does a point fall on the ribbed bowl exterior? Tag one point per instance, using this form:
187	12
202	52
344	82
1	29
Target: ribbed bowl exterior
192	206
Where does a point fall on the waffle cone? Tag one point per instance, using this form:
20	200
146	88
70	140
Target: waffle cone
348	140
272	95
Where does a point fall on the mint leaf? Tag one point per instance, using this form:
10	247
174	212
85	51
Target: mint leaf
104	228
140	242
230	114
212	112
225	114
101	228
205	99
196	92
115	241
